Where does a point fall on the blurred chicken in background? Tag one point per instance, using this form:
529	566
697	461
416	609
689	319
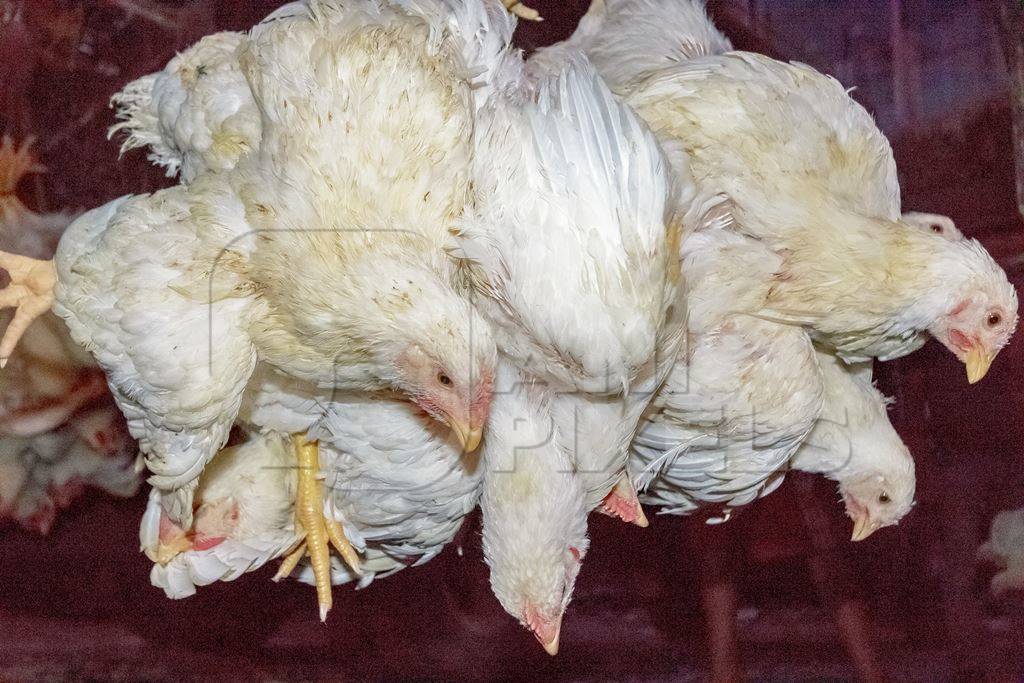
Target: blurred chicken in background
60	431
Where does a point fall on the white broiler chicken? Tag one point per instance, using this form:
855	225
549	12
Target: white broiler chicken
575	198
393	479
1005	548
751	398
809	174
198	114
747	395
573	241
742	395
322	254
533	506
397	482
933	222
244	518
854	444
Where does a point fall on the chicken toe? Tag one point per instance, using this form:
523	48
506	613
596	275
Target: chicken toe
522	11
320	532
30	292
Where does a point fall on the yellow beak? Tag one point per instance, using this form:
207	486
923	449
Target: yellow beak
551	646
467	436
978	361
862	527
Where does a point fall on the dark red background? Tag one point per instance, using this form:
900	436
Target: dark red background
78	604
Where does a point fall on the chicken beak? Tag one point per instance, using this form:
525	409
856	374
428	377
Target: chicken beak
641	518
551	647
468	436
545	630
978	360
550	643
862	527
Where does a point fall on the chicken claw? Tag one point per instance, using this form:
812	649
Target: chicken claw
30	293
522	11
290	561
320	532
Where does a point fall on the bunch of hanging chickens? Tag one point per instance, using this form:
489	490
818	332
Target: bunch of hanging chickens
407	272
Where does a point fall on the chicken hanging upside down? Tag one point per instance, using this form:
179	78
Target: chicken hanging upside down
810	175
574	196
393	479
323	254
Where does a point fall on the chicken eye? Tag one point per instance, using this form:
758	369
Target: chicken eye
936	228
444	379
994	319
884	498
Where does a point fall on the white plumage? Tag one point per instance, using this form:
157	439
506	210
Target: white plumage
1005	548
243	518
376	194
533	507
398	483
331	262
196	115
746	391
145	284
639	187
809	174
574	197
573	241
751	398
741	396
854	444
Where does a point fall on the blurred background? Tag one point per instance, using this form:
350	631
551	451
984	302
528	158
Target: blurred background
785	595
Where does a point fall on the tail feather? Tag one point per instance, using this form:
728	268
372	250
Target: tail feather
139	120
630	40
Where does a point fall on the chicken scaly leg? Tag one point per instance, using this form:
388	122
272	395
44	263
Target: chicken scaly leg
30	293
320	532
522	11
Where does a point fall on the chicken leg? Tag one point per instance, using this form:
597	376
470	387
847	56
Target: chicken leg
522	11
30	293
319	531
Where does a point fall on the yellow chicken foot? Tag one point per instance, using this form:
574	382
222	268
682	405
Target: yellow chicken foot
30	293
522	11
291	561
320	532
